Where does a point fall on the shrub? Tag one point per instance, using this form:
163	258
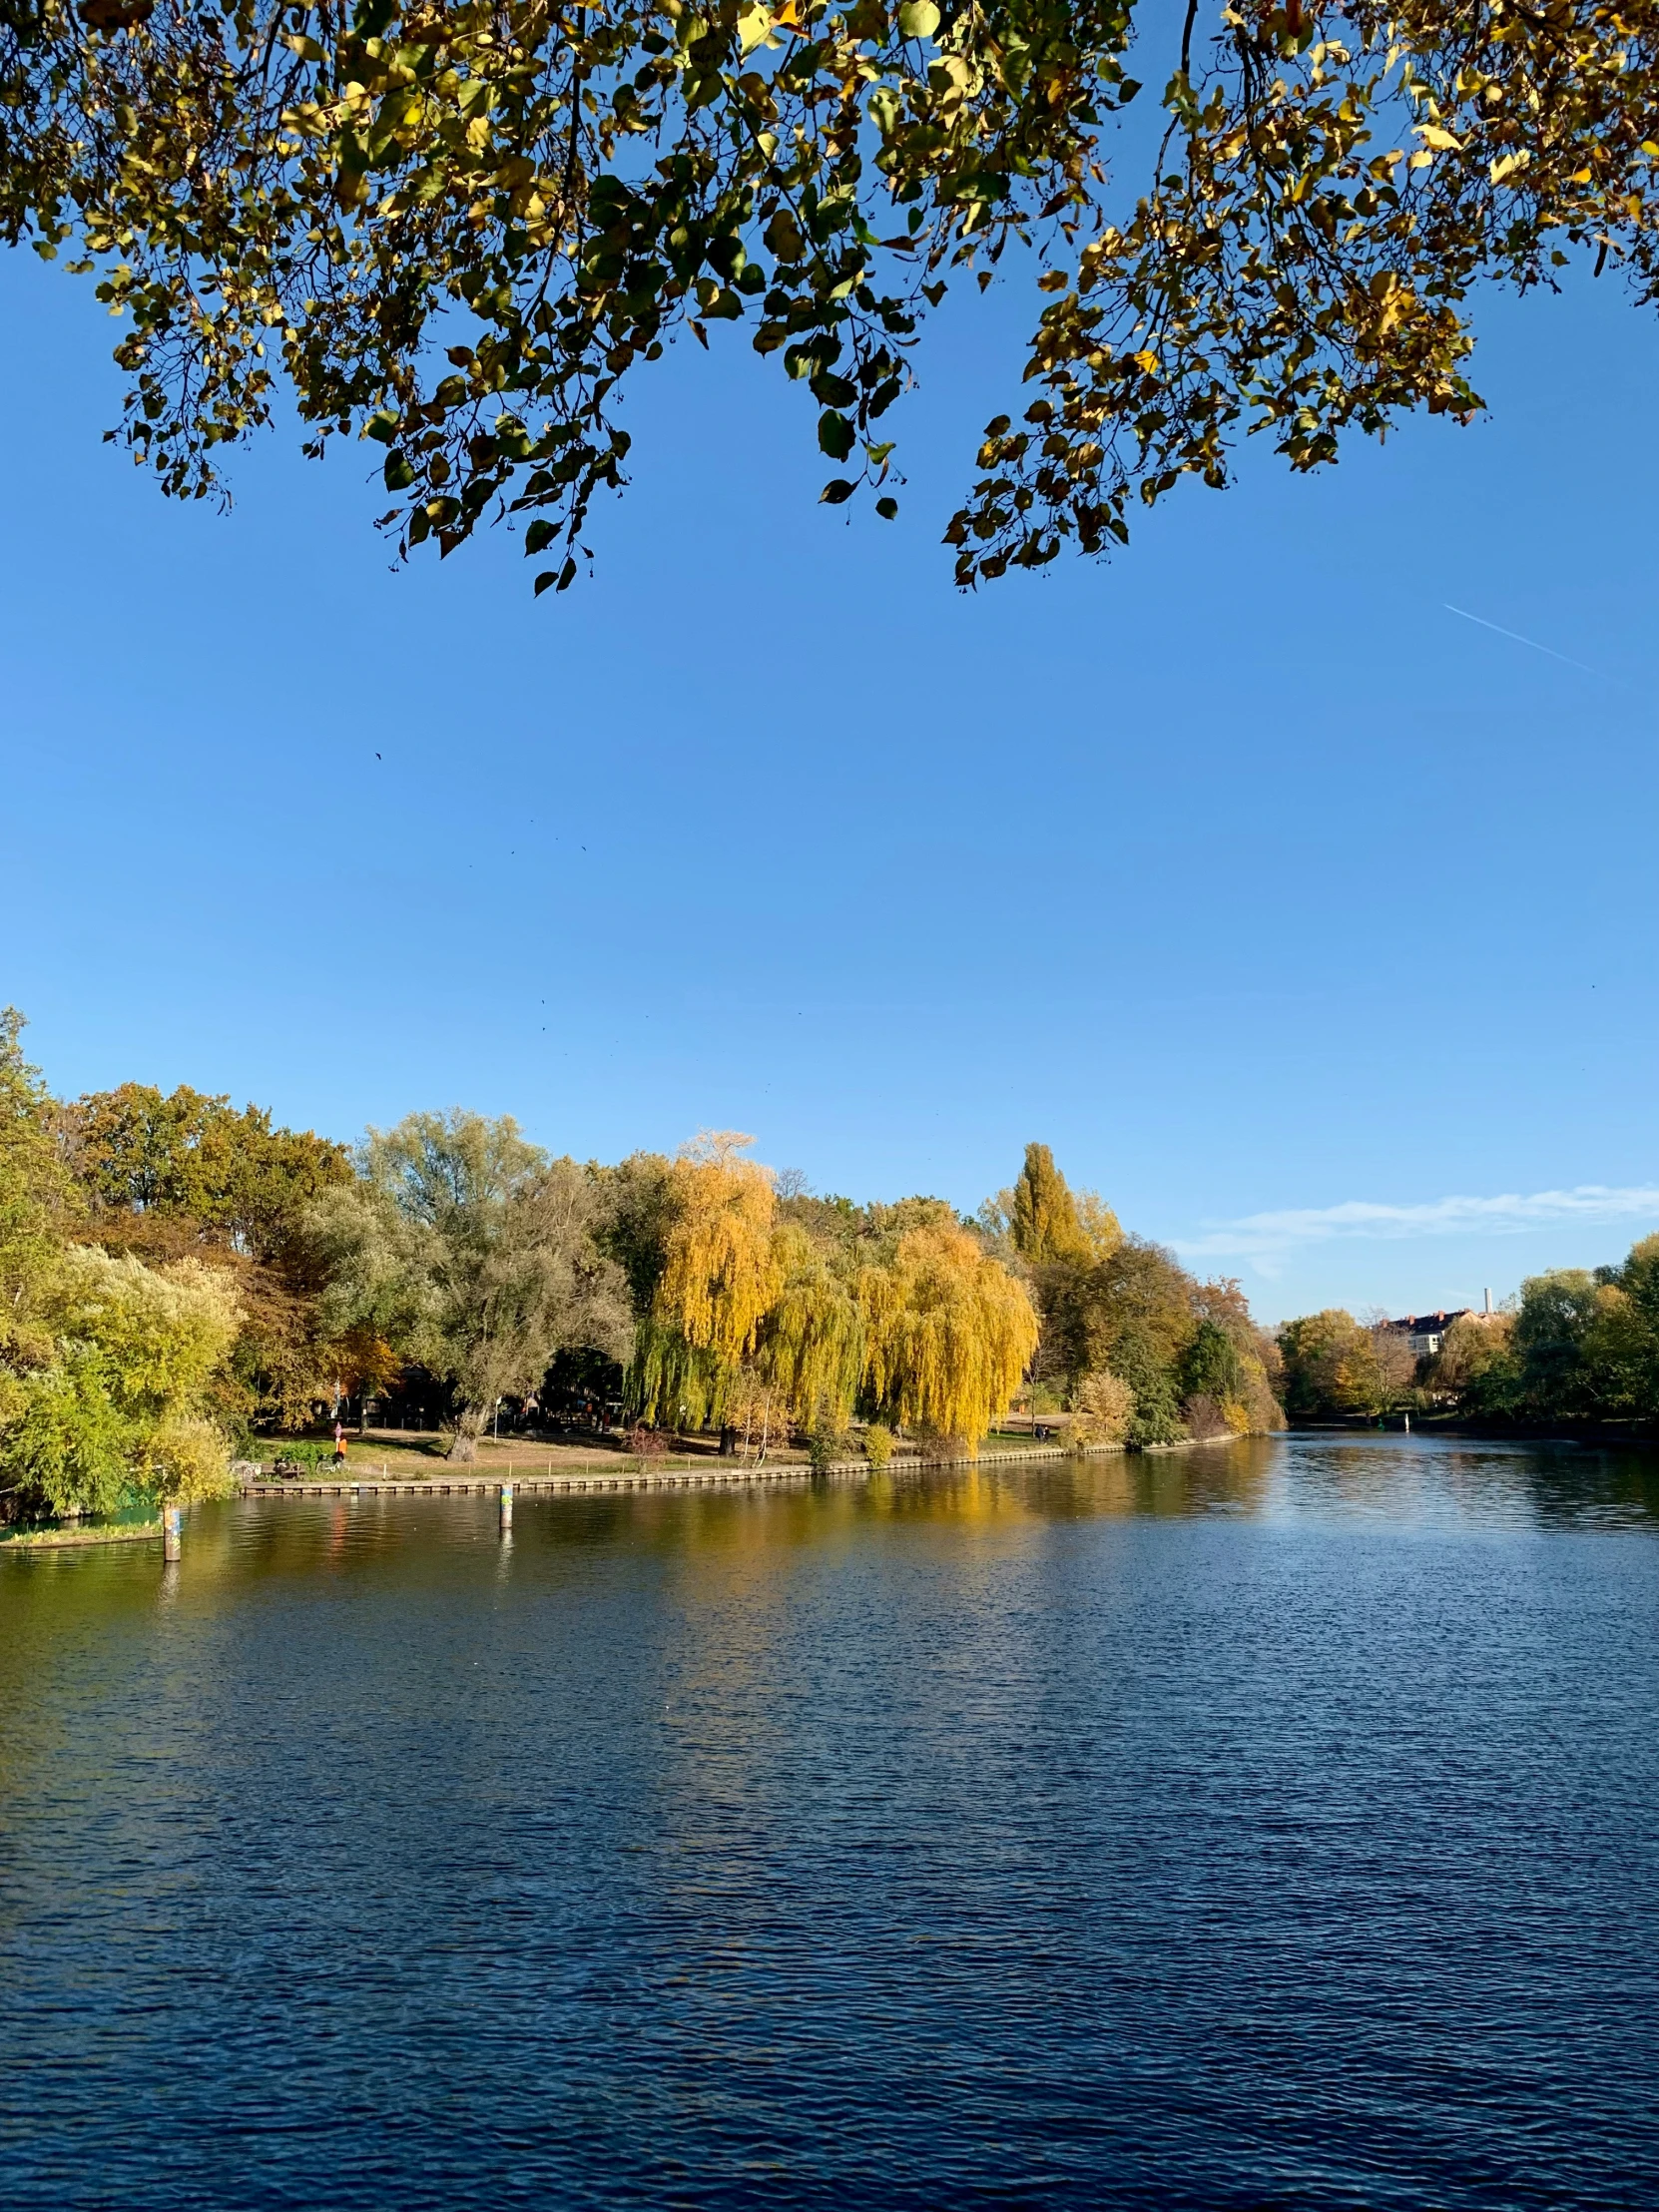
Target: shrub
645	1443
826	1447
298	1459
877	1446
1204	1417
1104	1409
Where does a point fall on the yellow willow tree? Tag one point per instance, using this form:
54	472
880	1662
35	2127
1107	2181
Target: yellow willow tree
950	1333
721	1277
812	1346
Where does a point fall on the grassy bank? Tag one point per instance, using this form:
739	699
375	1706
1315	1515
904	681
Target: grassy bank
404	1455
51	1539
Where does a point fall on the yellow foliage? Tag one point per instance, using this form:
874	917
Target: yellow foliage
185	1459
813	1343
1238	1417
949	1334
1102	1230
721	1277
1105	1405
161	1331
722	1273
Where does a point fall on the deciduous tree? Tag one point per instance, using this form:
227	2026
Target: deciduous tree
949	1334
470	1252
1377	1372
461	229
121	1401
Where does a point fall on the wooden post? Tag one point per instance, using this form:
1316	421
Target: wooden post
170	1533
506	1509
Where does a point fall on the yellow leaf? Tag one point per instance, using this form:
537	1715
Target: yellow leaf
1443	140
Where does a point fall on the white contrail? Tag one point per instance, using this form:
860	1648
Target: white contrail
1532	642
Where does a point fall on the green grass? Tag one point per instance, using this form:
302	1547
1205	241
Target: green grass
40	1539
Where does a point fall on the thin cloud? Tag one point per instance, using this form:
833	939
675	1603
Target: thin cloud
1265	1238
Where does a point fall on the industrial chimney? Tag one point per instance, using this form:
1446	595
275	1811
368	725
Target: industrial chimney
1488	1301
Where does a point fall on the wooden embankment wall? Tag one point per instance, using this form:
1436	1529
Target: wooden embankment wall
717	1475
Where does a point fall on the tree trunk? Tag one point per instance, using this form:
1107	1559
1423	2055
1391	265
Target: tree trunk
463	1449
728	1443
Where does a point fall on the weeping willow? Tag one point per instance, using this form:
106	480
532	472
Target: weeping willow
720	1278
950	1333
812	1346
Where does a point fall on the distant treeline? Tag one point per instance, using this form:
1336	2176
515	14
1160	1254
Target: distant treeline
179	1277
1576	1346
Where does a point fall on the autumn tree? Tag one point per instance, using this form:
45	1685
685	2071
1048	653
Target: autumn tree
472	1253
462	232
1103	1410
170	1175
950	1333
814	1344
720	1276
1377	1372
1313	1348
1044	1219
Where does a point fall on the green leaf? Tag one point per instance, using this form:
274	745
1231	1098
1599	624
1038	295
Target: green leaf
539	535
887	508
397	473
837	492
836	435
546	580
918	18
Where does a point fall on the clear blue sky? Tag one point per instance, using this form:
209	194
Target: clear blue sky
1238	869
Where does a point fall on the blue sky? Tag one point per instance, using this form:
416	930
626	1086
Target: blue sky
1312	924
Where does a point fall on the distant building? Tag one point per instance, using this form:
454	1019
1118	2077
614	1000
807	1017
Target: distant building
1425	1333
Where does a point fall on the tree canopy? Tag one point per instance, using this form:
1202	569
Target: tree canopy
461	227
469	1250
1576	1346
178	1275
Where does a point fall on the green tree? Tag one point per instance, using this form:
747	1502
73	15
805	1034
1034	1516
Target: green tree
145	1158
1476	1366
1141	1364
120	1404
1553	1334
472	1253
35	1194
461	232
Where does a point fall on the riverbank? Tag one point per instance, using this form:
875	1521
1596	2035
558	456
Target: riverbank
1594	1434
420	1457
529	1479
56	1539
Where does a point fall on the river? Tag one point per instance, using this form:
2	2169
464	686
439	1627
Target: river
1274	1825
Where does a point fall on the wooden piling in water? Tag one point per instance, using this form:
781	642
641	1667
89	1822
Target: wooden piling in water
171	1544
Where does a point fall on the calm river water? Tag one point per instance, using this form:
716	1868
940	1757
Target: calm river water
1270	1826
